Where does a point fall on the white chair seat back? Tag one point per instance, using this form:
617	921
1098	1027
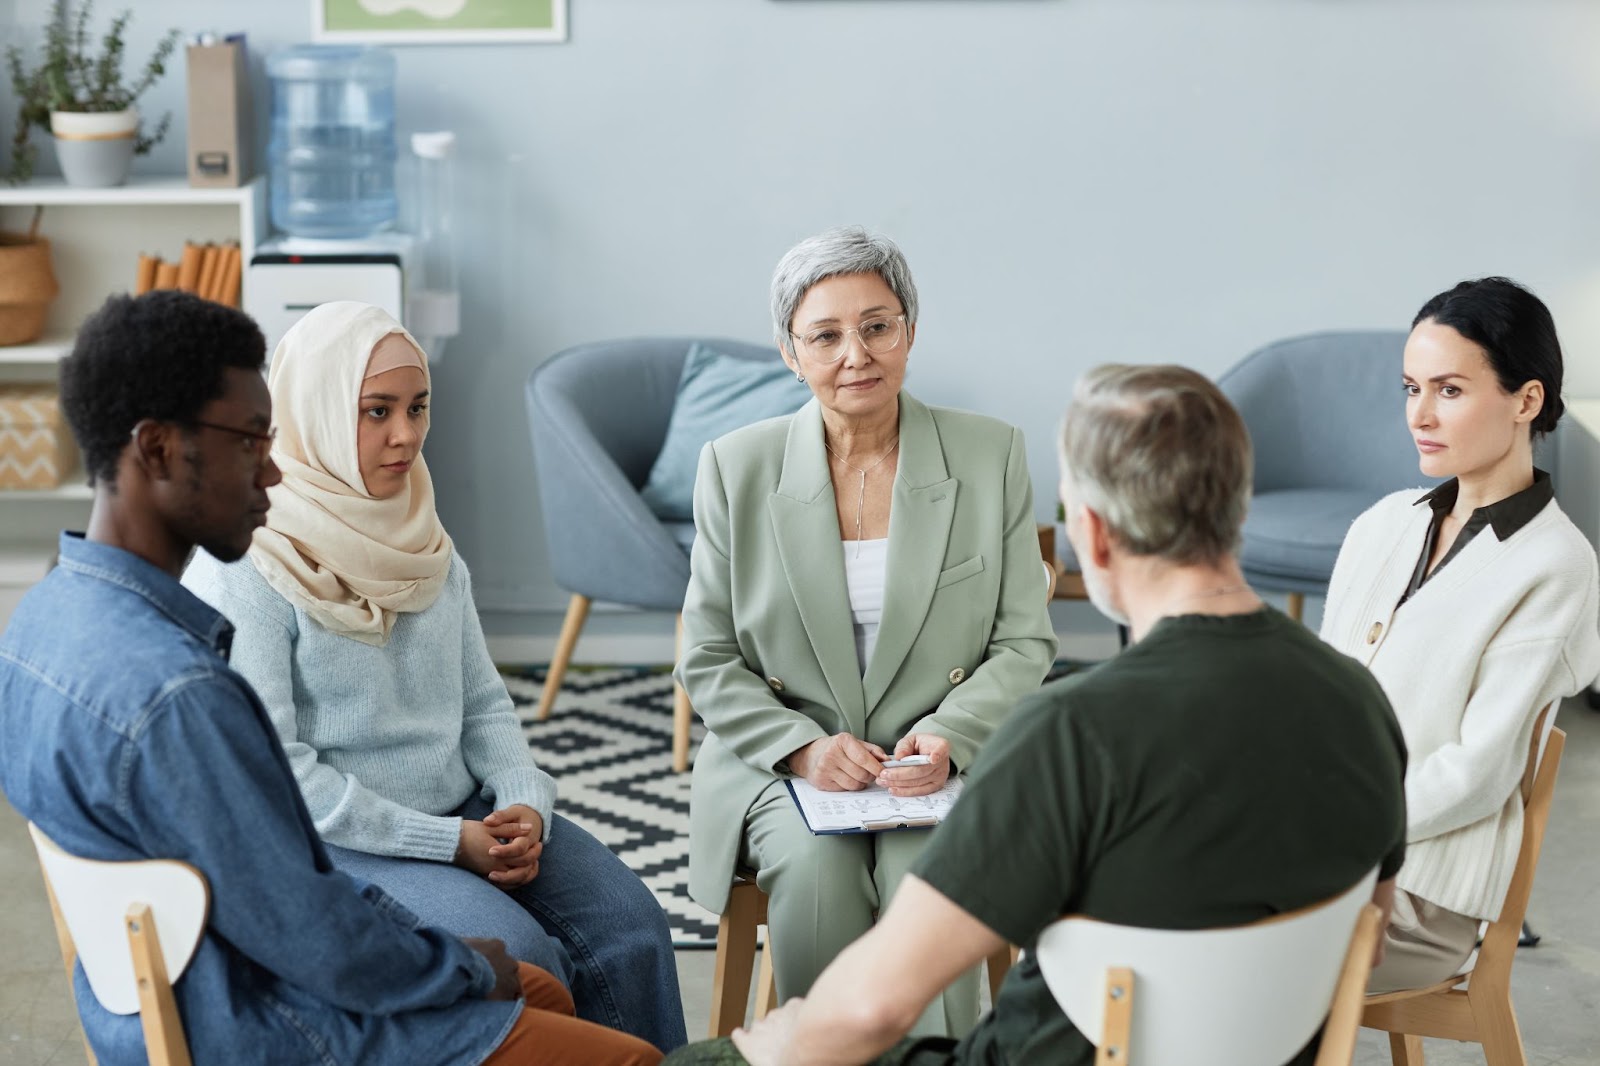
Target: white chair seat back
94	898
1251	995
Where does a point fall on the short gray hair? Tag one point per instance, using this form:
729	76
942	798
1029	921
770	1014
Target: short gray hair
842	250
1163	457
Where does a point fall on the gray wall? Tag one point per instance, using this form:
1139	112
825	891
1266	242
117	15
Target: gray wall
1074	181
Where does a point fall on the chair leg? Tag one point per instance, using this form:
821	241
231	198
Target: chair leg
577	614
1405	1049
766	982
999	965
736	956
682	718
1297	606
682	713
1498	1030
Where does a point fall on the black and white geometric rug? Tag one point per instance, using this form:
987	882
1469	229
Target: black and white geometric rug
608	744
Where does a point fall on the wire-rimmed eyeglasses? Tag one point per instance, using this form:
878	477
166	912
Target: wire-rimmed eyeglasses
827	344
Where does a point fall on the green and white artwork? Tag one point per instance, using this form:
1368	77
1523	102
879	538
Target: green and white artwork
439	21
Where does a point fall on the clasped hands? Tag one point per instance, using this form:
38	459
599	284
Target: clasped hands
843	763
505	847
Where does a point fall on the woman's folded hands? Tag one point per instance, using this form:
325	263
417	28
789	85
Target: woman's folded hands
503	848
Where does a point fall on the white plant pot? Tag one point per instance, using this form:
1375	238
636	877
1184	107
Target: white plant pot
95	148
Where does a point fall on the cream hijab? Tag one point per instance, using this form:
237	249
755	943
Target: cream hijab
351	561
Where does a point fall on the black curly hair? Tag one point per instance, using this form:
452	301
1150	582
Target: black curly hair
162	356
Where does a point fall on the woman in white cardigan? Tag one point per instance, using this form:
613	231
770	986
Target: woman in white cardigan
1475	607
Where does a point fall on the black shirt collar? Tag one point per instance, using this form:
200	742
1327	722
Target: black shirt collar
1505	516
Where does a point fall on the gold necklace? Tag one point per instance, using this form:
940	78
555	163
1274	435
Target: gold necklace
861	497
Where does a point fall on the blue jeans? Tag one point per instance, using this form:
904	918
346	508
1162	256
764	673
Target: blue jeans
594	924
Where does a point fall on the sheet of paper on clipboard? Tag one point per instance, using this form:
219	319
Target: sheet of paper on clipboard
872	810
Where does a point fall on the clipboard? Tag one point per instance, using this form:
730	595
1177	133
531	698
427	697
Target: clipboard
871	810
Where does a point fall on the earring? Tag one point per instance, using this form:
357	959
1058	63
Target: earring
801	378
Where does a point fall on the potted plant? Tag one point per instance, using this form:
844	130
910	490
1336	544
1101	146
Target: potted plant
79	94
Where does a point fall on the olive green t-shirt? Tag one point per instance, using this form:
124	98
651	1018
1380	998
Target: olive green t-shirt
1222	770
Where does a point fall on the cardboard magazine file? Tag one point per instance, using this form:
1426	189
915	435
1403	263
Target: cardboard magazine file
219	114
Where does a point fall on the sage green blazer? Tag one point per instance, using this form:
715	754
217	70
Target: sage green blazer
769	658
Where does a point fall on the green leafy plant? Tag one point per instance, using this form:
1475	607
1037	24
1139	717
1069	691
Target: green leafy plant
71	76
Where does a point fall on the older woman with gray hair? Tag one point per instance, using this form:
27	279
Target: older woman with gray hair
866	586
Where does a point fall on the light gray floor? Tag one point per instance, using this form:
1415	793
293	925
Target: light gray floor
1557	985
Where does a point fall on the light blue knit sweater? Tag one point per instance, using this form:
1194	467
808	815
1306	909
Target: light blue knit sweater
383	741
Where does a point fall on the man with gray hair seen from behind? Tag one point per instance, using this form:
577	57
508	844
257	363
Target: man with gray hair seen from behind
1227	767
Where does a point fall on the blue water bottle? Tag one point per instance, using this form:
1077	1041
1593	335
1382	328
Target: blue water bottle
332	152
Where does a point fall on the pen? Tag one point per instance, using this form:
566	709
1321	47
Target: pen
909	760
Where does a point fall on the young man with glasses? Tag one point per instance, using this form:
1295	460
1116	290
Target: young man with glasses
124	736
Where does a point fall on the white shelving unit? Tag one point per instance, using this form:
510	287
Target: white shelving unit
75	489
96	237
46	351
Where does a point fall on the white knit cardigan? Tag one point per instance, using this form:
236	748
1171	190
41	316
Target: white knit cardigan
1503	630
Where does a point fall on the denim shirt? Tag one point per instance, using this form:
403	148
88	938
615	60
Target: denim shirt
124	735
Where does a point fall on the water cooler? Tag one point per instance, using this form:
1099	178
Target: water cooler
332	157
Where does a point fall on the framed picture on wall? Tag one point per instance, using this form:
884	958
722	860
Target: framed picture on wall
439	21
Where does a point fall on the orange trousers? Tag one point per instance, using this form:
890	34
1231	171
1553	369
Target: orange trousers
548	1034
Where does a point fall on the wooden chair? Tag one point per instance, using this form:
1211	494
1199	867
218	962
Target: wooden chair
1481	1012
1251	995
736	956
135	926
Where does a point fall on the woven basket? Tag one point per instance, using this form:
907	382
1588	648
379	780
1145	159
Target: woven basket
27	285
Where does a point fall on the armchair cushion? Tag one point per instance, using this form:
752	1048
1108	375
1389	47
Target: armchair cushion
717	394
1294	535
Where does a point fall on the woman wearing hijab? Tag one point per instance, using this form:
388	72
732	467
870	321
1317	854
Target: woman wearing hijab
355	622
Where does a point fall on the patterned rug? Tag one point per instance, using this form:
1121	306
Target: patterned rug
609	746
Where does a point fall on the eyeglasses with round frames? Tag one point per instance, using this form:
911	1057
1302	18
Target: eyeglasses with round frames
827	344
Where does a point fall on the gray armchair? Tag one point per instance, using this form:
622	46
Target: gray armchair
598	414
1326	414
